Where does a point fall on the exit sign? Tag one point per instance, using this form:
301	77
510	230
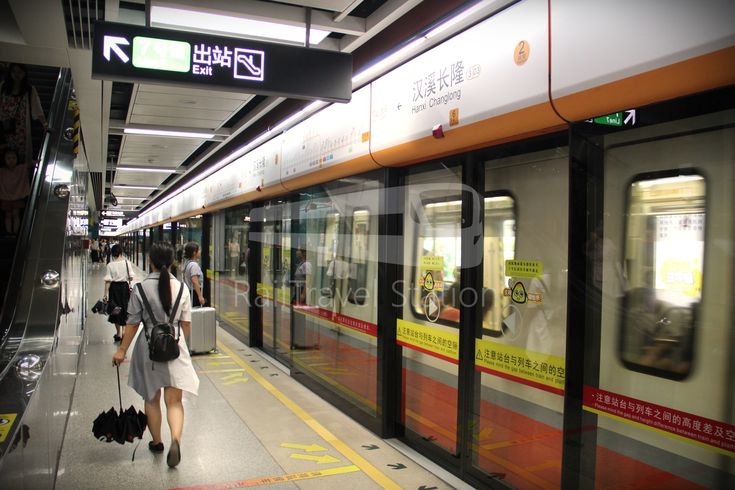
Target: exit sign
150	55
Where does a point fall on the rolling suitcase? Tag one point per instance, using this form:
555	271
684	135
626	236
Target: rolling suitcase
203	331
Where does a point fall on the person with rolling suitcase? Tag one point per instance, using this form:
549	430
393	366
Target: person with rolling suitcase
203	336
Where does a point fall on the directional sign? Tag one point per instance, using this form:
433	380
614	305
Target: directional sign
618	119
150	55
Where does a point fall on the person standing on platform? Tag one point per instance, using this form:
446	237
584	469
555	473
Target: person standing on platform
19	104
15	187
193	275
118	281
148	377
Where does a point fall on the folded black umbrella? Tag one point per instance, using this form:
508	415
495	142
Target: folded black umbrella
133	423
105	426
122	426
100	307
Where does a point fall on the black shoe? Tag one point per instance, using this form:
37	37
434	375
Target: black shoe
174	454
117	338
155	448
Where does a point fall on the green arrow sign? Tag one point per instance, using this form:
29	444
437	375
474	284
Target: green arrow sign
161	54
611	119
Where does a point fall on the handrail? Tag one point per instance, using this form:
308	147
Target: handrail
8	343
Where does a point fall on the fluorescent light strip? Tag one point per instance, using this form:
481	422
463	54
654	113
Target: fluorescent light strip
364	75
198	21
456	19
146	169
140	187
175	134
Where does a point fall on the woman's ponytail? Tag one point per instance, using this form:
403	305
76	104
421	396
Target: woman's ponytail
162	256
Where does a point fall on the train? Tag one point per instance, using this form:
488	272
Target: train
513	250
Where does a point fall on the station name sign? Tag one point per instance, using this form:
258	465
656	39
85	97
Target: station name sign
139	54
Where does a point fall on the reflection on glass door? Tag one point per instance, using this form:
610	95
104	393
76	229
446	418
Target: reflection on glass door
428	330
266	286
231	279
519	356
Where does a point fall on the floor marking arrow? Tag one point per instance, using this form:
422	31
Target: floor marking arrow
310	448
323	459
111	42
235	378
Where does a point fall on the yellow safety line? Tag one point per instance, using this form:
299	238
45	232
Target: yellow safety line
362	463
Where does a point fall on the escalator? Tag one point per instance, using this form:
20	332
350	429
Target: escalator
43	312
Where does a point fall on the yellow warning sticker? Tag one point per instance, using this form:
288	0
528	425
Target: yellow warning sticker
524	268
432	262
432	267
537	369
6	422
265	290
429	340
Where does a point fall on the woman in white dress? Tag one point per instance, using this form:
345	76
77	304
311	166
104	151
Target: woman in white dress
148	377
118	279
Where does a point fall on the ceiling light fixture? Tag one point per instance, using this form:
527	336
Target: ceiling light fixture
174	134
146	169
140	187
203	21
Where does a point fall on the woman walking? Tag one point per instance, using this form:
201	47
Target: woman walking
148	377
118	280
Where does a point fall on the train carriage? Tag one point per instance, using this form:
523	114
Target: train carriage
513	251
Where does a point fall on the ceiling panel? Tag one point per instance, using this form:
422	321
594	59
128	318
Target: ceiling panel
140	178
183	121
177	111
132	192
201	99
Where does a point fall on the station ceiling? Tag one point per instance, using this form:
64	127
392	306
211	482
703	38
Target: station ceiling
140	169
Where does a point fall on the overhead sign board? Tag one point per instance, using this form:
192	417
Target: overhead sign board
132	53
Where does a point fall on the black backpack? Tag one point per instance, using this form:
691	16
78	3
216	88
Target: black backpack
162	345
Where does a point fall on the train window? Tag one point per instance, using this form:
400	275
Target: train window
664	256
438	252
499	246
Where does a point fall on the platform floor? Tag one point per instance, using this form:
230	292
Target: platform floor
252	425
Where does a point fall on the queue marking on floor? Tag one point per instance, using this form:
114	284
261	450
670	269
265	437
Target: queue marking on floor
323	432
217	371
272	480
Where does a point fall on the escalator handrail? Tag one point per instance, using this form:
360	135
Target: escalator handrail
7	315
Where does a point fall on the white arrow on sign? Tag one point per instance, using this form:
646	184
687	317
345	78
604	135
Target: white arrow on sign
111	42
630	115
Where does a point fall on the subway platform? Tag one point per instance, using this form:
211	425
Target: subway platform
252	425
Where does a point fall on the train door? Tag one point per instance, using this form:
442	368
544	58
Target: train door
428	330
507	408
663	401
517	415
231	278
274	288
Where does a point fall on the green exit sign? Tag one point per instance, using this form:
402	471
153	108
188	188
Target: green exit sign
610	119
161	54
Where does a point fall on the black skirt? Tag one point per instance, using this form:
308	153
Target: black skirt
119	297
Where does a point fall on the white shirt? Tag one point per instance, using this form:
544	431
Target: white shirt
118	272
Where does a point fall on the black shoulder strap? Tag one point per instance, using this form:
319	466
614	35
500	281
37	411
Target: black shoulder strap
150	310
128	269
176	307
